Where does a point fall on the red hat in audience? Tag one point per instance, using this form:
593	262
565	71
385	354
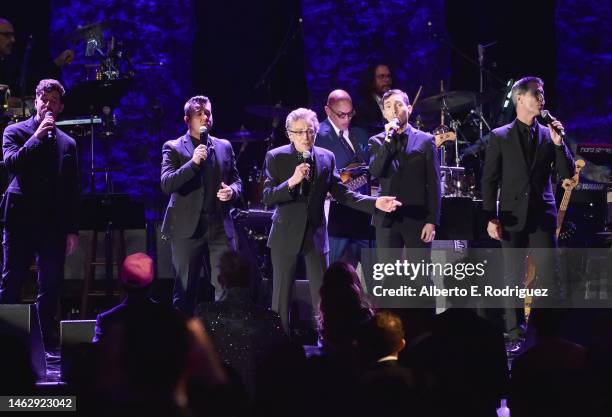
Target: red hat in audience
137	270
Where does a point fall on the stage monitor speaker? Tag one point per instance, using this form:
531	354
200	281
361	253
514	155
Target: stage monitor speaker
21	320
73	334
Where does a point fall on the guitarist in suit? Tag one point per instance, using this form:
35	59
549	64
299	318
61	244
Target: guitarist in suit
350	146
199	172
518	162
298	178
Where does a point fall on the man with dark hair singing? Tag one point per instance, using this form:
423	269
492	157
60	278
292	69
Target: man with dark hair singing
40	206
518	162
199	171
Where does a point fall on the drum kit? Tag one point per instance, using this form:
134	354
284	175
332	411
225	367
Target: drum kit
461	123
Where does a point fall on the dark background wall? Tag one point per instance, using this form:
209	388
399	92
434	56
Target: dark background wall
294	52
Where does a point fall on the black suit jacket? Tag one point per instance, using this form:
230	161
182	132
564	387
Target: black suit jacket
180	177
388	389
328	139
40	185
415	183
522	188
292	215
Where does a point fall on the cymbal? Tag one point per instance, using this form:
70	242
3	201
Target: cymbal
452	99
89	31
267	111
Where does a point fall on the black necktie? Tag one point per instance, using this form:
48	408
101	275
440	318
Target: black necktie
531	144
345	143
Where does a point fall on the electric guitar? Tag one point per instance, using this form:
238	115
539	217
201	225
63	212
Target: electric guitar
568	185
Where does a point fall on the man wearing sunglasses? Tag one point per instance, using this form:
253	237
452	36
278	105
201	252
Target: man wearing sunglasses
350	146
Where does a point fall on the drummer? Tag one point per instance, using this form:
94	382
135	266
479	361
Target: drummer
350	146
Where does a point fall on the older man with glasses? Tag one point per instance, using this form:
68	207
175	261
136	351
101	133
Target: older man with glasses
298	178
349	144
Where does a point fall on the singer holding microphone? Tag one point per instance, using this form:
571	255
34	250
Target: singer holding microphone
518	162
406	163
40	206
199	172
298	178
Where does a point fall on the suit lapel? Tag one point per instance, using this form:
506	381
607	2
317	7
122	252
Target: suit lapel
353	139
409	139
318	161
188	144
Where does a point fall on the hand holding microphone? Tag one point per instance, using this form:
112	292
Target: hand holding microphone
557	132
46	128
302	171
391	128
201	151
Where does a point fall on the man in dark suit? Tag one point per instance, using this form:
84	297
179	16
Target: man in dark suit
199	171
40	205
297	185
136	277
405	161
377	80
518	163
349	144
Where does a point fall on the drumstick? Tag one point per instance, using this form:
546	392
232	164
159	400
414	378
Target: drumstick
416	98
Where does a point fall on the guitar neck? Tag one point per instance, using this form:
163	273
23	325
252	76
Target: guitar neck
566	197
562	209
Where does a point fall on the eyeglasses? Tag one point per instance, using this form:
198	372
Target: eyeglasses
302	133
342	115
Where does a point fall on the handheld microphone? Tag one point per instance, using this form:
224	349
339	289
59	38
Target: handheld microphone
306	156
50	132
392	131
548	119
204	138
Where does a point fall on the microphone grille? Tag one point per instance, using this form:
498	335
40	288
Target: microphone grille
203	130
545	114
306	154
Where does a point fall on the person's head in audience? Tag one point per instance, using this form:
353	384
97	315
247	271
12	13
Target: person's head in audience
343	306
234	270
381	337
143	361
137	273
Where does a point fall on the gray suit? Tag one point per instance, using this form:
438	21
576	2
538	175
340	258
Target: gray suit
298	223
194	233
